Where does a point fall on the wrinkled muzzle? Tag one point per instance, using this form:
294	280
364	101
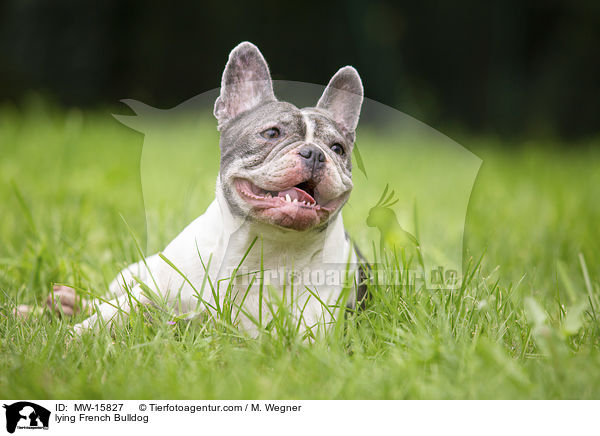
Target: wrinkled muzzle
300	190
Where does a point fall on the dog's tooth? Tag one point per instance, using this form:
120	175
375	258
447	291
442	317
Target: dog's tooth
287	198
295	200
268	195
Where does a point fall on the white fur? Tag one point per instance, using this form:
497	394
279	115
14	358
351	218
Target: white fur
221	241
310	128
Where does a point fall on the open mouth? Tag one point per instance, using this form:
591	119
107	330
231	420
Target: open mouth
299	207
301	196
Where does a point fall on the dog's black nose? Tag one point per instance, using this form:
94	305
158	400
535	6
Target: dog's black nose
314	156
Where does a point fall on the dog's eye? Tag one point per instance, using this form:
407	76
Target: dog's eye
272	133
338	149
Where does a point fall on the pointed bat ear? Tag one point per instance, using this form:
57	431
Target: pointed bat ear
246	83
343	99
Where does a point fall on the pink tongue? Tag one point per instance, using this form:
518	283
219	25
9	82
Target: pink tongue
296	194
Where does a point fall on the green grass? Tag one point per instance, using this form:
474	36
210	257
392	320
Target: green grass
525	324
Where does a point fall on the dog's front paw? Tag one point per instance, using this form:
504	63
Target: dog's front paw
65	301
78	329
89	324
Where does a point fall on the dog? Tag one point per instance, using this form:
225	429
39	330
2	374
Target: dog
285	174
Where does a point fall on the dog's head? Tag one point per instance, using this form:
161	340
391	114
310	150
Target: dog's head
282	165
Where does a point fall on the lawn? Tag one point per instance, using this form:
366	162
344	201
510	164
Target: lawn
523	325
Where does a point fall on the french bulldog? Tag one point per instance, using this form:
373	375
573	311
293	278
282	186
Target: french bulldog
285	174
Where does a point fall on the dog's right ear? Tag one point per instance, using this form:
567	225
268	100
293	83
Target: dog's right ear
246	83
343	99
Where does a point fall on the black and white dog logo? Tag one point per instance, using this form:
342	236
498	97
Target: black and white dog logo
26	415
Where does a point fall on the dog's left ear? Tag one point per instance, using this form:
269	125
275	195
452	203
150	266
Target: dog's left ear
343	99
246	83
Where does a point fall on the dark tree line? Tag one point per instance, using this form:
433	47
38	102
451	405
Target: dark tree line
510	67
